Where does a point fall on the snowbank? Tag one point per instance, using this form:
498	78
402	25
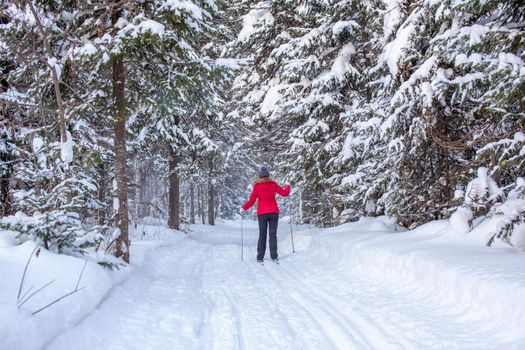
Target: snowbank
446	268
7	239
362	285
19	329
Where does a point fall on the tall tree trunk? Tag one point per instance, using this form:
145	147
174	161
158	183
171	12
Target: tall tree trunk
54	76
199	201
186	205
146	190
305	204
137	189
192	204
122	242
103	188
211	193
223	207
201	205
174	192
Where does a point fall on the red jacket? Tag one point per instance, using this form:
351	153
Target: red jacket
264	191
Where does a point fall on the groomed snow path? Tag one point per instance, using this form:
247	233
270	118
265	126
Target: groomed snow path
195	293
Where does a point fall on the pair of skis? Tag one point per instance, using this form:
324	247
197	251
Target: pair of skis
261	262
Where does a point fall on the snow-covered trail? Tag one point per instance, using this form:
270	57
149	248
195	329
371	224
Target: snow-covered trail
195	293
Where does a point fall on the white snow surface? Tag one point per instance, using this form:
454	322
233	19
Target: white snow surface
20	330
394	50
360	285
151	26
66	149
252	20
271	99
461	219
342	26
392	17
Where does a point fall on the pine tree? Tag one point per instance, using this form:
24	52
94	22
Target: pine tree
306	73
429	103
53	192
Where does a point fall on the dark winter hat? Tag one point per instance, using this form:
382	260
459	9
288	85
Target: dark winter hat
263	171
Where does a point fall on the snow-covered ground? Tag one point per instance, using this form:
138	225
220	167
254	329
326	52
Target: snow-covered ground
357	286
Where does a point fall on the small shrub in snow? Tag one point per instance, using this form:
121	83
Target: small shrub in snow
7	239
51	200
511	228
59	231
484	197
481	193
461	219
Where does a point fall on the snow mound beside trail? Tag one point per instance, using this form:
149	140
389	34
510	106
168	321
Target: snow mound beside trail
461	220
381	223
447	269
19	328
62	273
7	239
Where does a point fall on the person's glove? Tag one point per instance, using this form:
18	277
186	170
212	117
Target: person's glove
288	184
241	211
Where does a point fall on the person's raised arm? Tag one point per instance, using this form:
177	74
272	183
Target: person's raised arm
252	199
283	191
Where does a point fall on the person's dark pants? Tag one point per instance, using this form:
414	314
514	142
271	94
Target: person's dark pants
267	222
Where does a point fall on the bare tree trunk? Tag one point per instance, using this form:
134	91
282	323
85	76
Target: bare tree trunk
211	193
198	200
54	74
201	205
192	204
174	192
186	204
102	190
145	190
223	207
122	242
136	190
305	202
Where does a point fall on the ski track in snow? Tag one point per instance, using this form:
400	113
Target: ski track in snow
195	293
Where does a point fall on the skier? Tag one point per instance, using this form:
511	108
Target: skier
264	190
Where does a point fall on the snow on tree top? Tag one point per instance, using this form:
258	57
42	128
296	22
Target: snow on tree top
251	20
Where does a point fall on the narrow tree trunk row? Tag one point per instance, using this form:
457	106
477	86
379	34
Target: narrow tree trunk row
192	204
122	242
211	193
174	192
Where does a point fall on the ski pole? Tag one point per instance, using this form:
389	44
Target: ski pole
242	238
291	230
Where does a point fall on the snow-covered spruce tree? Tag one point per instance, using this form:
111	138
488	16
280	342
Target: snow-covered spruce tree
9	134
149	50
348	144
237	167
511	227
433	107
51	212
307	60
9	139
181	104
403	173
492	84
53	192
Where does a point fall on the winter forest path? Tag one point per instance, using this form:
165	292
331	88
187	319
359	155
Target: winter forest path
195	293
